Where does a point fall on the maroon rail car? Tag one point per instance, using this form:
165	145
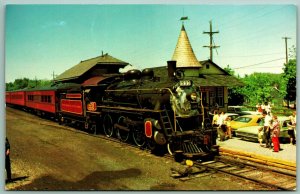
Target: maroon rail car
16	98
7	98
43	101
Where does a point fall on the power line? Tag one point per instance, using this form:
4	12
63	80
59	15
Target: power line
257	16
259	63
241	18
269	67
254	55
263	29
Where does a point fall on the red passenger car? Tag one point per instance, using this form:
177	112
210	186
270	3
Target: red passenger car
43	101
7	98
16	98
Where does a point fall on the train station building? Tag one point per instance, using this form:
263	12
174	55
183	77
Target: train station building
212	79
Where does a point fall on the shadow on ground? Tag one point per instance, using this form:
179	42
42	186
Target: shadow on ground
103	180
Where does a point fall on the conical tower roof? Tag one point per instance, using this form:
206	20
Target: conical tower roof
184	54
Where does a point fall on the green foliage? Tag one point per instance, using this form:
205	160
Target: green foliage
229	70
234	95
259	88
23	83
289	76
263	87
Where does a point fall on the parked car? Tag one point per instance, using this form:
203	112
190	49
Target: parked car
231	115
246	121
251	133
241	110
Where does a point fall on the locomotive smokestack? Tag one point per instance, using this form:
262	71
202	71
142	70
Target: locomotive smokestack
171	68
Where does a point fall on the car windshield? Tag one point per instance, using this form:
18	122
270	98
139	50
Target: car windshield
261	122
243	119
238	109
242	109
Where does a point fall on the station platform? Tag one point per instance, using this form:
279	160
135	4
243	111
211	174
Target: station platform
287	154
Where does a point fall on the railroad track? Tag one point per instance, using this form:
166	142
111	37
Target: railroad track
274	179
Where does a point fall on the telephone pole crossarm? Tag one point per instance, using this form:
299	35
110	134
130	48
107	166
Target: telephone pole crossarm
211	46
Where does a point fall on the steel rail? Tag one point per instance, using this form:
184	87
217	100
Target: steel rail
251	168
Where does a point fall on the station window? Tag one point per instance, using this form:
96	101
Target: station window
220	96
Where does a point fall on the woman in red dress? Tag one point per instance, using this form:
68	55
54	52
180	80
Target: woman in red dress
275	134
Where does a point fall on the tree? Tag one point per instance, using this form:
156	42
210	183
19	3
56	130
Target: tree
290	70
26	83
290	78
235	96
263	87
21	83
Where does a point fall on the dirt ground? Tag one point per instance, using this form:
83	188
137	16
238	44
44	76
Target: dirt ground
46	156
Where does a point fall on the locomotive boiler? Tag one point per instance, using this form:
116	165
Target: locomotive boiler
157	112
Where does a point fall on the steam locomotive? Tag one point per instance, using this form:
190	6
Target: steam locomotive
134	106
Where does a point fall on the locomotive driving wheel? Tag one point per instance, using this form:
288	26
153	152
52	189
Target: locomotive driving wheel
138	136
108	125
122	134
151	144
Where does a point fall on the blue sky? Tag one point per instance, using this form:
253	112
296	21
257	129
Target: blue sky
42	39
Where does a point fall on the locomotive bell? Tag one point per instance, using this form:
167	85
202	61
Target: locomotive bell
147	74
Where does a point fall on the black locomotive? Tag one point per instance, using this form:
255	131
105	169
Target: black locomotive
155	112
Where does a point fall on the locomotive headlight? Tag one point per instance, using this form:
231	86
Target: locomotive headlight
193	96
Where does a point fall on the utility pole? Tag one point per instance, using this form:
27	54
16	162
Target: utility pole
286	49
35	81
53	76
211	46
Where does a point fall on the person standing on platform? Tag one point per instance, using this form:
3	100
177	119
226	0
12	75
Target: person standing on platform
7	161
275	134
215	119
260	136
228	127
267	130
221	126
292	127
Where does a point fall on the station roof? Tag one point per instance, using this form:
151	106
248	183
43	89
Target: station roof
84	66
60	86
184	54
209	79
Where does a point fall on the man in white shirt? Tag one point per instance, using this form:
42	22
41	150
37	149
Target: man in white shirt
221	126
267	130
